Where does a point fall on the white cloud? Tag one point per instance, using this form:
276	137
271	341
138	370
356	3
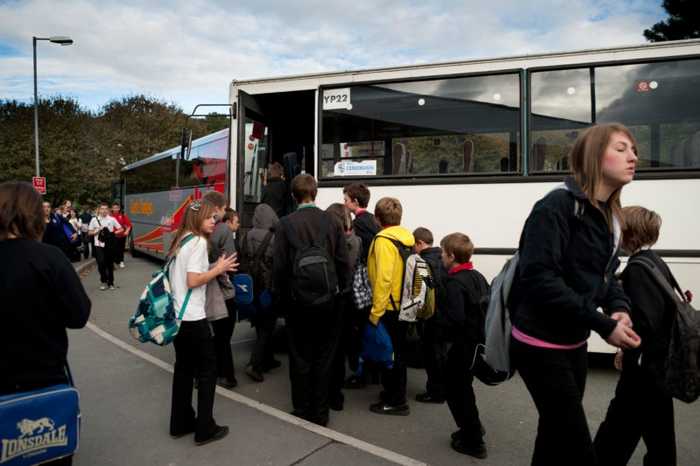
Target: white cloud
188	51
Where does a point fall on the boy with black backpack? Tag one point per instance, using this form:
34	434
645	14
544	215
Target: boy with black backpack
310	269
463	313
433	345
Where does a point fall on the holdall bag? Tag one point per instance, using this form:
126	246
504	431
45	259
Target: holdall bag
155	320
39	425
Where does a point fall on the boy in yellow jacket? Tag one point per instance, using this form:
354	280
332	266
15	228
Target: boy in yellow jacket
385	270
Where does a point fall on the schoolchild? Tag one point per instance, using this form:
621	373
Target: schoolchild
433	344
262	235
349	341
104	250
385	270
275	192
311	327
356	198
641	408
123	235
195	354
568	255
220	306
463	318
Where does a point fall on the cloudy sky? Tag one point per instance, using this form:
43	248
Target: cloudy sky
186	52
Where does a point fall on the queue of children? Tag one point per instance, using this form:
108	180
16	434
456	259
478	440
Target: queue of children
568	258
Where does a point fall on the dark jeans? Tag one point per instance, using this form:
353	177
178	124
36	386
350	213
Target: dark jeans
263	350
460	394
640	409
105	264
345	335
87	244
556	380
194	354
119	246
313	338
434	351
394	379
223	330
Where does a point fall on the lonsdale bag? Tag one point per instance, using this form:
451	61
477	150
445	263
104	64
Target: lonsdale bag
155	320
681	377
39	425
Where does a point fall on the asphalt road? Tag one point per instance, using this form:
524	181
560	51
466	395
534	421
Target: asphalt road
507	411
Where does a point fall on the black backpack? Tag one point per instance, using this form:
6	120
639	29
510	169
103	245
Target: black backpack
314	282
682	368
254	263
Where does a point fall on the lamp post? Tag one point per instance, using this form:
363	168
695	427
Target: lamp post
62	40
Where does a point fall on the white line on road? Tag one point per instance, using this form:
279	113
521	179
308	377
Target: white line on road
269	410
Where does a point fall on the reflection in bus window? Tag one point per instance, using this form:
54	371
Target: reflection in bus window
206	162
657	101
155	176
434	127
255	159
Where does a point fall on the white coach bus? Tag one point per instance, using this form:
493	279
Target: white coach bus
470	146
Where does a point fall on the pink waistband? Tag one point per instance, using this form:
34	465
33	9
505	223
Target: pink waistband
532	341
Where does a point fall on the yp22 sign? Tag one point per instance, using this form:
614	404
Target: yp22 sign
337	99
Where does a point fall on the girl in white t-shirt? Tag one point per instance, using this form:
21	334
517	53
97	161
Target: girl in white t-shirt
194	344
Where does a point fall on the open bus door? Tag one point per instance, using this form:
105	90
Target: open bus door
253	133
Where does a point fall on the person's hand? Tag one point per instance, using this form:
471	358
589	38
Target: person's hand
618	360
74	236
226	264
623	317
624	337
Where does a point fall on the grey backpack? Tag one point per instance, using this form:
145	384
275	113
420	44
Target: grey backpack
681	372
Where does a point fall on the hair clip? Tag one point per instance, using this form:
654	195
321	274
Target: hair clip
195	205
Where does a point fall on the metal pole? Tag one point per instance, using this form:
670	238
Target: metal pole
36	114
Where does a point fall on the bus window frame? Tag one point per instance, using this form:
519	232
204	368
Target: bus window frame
646	173
330	181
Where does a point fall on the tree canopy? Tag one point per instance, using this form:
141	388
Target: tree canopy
683	22
82	152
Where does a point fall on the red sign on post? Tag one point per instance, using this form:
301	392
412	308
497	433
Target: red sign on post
39	183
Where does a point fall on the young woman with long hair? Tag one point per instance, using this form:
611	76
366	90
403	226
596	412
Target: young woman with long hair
194	344
568	255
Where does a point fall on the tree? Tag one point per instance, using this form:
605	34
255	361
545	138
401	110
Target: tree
683	23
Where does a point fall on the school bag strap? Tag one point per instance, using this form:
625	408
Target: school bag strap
404	252
669	285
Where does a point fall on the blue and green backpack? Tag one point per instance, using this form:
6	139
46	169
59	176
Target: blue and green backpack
155	320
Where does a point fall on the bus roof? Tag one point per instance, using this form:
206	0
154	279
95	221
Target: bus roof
175	151
505	59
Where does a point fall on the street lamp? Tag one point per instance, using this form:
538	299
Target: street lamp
62	40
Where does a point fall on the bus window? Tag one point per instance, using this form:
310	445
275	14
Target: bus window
206	163
151	177
431	127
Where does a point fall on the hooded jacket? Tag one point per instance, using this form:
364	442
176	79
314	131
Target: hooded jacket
366	227
265	220
385	269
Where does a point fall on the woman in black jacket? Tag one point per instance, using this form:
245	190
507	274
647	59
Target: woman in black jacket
41	296
641	407
568	252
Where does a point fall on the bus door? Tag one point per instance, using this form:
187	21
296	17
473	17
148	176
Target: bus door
253	156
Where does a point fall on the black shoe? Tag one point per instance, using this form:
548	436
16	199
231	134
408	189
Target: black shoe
354	382
219	433
254	374
428	398
181	434
337	403
457	433
227	383
475	449
273	364
394	410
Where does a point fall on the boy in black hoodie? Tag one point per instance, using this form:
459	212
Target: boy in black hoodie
433	345
464	319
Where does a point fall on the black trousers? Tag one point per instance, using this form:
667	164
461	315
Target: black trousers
263	350
313	338
223	331
556	380
119	246
640	409
460	394
87	244
345	346
105	264
434	349
394	379
194	355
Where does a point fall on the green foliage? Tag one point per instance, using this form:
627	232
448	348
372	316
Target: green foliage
82	153
683	22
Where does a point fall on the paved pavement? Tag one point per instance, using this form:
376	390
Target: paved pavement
125	401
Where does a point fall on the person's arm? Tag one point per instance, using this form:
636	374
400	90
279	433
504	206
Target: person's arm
117	227
94	227
647	300
127	225
615	301
384	252
198	271
545	239
73	302
342	259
